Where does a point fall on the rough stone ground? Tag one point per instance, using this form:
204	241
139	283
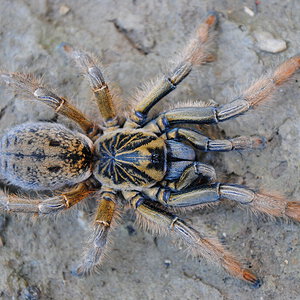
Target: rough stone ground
36	256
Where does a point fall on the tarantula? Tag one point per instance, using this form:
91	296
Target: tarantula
148	163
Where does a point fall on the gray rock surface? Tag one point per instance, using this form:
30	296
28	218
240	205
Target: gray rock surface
37	255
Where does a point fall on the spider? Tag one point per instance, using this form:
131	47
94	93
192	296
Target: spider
148	163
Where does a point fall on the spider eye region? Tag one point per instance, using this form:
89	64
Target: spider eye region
129	159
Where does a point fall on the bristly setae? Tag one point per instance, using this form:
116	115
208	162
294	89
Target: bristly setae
150	163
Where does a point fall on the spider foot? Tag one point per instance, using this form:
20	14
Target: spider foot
257	284
276	205
293	210
212	18
252	279
77	272
80	271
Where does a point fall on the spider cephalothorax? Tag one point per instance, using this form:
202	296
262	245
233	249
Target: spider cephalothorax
130	159
150	163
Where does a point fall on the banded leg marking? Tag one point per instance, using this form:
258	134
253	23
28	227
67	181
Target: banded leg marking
104	222
192	173
31	87
159	221
204	143
97	82
14	203
261	90
269	204
195	53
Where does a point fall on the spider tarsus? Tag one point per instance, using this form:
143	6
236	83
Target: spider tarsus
259	142
65	47
212	18
76	272
244	142
251	278
257	284
293	210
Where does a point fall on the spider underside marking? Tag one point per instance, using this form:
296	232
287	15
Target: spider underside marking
150	163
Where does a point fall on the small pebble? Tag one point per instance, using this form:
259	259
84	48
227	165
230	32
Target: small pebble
167	263
31	293
286	262
266	42
249	11
224	234
64	9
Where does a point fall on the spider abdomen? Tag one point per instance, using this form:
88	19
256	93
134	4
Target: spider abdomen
130	158
44	156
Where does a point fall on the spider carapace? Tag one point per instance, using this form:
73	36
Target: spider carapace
147	162
130	159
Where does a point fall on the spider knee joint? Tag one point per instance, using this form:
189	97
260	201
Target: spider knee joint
104	223
173	134
111	123
137	201
58	108
173	223
162	123
67	202
138	117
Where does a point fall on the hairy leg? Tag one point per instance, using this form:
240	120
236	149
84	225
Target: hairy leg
189	174
195	53
97	82
31	87
267	203
158	221
270	204
258	92
104	222
15	203
204	143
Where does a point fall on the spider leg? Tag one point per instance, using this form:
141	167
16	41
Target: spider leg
261	90
269	204
182	169
158	221
15	203
195	53
188	173
104	222
191	115
185	197
204	143
30	87
97	82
